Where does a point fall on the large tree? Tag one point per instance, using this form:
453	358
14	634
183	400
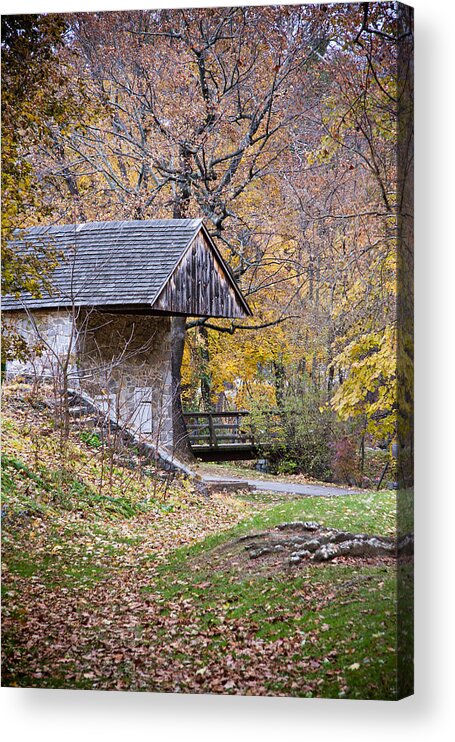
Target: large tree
29	52
188	119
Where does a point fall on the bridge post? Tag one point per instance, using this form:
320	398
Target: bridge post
213	440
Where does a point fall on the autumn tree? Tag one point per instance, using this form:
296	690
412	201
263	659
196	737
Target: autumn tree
339	218
192	120
342	184
33	95
29	58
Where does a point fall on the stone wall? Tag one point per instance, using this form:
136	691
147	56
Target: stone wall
49	336
122	361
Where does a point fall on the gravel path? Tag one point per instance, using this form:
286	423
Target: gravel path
309	490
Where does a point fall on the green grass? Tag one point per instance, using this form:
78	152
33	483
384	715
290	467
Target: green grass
340	620
67	569
352	638
25	493
52	572
369	512
347	613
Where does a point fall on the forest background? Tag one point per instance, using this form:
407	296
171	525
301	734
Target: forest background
278	125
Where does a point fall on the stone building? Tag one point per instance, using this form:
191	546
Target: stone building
105	321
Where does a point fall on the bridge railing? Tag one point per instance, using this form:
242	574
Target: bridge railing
215	429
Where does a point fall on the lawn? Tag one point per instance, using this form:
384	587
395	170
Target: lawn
326	631
110	604
145	588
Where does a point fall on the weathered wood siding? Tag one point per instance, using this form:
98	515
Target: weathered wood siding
199	286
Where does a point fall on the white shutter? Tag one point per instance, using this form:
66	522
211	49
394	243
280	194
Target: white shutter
142	418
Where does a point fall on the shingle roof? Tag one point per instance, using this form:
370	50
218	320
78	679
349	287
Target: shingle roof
107	263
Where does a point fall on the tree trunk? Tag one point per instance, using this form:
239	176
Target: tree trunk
362	454
206	381
182	193
178	325
279	379
182	446
330	379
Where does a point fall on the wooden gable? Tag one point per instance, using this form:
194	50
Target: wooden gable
201	284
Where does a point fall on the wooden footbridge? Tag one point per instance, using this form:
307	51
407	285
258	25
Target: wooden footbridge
221	436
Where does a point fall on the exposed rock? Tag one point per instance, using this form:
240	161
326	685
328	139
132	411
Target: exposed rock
326	552
297	556
296	540
310	525
380	545
248	547
361	546
255	553
250	536
310	541
312	545
299	525
339	536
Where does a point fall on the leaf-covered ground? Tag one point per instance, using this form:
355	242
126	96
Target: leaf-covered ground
131	584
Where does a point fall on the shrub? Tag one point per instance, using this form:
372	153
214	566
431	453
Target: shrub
344	463
296	438
287	466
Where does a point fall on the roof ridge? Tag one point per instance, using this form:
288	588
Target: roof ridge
77	226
